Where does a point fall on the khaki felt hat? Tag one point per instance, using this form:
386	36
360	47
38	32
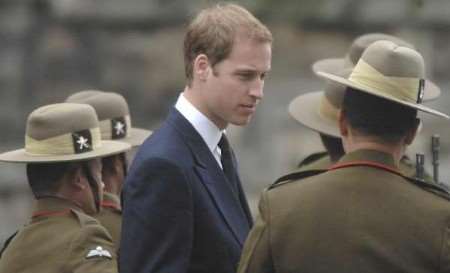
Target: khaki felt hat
63	132
114	115
319	110
359	45
389	71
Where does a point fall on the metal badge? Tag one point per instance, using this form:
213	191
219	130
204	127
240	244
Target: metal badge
82	141
98	252
421	91
118	128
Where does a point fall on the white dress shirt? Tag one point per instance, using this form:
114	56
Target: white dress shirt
210	133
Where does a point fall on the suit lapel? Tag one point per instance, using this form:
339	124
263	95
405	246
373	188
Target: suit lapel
213	178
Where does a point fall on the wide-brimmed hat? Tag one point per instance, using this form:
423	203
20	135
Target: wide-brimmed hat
359	45
389	71
63	132
114	116
319	110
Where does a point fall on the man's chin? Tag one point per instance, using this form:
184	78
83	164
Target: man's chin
241	122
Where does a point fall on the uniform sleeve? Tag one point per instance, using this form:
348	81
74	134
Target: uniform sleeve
157	229
110	217
256	256
92	251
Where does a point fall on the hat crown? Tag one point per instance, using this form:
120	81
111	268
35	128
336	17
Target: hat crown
334	92
361	43
108	105
59	119
393	60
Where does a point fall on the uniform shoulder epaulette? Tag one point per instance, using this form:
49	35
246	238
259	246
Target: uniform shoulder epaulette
312	158
295	176
5	245
84	219
438	189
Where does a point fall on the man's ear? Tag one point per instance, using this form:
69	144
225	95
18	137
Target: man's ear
343	124
78	179
201	67
411	134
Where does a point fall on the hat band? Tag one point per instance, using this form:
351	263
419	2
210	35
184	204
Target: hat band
67	144
401	88
327	110
115	128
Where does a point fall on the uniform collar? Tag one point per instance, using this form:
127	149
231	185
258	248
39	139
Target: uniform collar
49	206
369	155
111	200
210	133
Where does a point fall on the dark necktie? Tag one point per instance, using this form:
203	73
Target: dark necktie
226	159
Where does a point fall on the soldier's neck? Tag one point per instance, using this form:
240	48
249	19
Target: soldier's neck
396	150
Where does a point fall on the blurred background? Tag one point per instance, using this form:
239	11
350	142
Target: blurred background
50	49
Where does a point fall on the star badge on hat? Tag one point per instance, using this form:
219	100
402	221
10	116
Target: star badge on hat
98	252
82	141
119	128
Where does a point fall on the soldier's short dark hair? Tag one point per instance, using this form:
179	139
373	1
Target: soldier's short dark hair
379	117
45	178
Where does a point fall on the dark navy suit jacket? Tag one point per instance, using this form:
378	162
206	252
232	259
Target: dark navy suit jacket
179	212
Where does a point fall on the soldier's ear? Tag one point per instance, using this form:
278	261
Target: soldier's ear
78	180
411	134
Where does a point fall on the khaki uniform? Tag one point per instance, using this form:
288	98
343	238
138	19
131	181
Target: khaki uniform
111	217
60	238
355	218
322	161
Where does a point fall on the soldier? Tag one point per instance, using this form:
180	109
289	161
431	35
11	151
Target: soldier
62	150
115	124
362	215
318	110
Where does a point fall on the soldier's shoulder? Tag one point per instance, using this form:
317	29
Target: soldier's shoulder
295	177
440	189
92	241
83	219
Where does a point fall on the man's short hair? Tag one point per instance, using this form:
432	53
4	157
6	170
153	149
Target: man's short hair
214	31
374	116
45	178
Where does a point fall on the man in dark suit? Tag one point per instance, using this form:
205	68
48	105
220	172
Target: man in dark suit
184	208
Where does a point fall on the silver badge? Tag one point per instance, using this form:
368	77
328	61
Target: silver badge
98	252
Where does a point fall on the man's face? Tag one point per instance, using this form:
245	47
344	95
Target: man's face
234	86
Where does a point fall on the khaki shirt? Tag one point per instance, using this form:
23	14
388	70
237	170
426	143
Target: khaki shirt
60	238
351	219
111	217
322	161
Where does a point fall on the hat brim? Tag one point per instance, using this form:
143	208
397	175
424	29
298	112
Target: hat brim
305	109
335	66
107	148
137	137
372	91
331	65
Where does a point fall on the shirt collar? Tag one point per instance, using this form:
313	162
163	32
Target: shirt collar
210	133
369	155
